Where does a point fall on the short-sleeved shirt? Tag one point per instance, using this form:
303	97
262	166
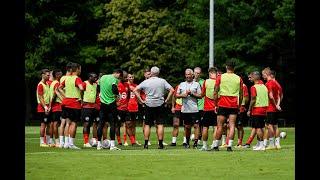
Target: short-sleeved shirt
73	103
133	101
154	88
106	94
189	103
257	111
40	91
228	101
273	87
123	89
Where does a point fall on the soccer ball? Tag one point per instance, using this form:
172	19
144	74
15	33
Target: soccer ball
283	135
192	137
106	143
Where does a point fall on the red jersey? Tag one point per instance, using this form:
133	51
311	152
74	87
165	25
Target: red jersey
55	106
143	95
123	88
273	87
177	107
73	103
245	94
133	101
40	91
228	101
257	111
208	103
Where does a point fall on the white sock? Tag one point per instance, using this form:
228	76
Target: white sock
94	140
47	139
41	140
112	143
61	139
57	141
230	143
99	143
71	140
261	144
174	139
277	141
265	142
216	143
66	139
223	139
271	141
51	141
184	139
204	143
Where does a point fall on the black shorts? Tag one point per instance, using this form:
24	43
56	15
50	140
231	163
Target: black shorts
257	121
142	112
154	115
272	118
209	119
241	118
123	116
177	114
63	113
227	111
43	117
89	115
56	116
190	118
133	116
108	112
72	114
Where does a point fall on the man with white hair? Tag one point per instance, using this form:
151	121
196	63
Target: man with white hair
154	88
190	92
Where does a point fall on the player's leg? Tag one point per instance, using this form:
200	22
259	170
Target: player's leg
56	123
240	130
175	130
146	129
232	124
222	143
87	118
101	124
221	117
187	127
75	117
259	128
112	115
196	125
42	129
205	129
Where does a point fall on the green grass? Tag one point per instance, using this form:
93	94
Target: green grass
171	163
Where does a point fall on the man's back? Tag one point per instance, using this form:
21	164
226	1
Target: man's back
154	88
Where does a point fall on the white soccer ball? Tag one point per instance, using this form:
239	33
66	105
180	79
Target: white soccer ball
106	143
283	135
192	137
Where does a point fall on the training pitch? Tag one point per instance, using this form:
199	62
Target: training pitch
170	163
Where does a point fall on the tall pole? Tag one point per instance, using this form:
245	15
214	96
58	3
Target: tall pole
211	36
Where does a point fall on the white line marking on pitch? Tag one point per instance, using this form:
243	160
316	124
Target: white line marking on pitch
41	152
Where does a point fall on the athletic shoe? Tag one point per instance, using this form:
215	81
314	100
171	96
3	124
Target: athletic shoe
199	143
161	147
215	149
44	145
52	145
246	146
187	146
87	145
184	144
260	148
125	144
229	149
73	147
165	144
195	146
138	143
99	147
278	146
270	147
145	146
173	144
204	148
120	144
255	146
224	146
66	145
238	146
94	145
114	148
149	143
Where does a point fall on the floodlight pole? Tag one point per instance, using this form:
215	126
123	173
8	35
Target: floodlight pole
211	36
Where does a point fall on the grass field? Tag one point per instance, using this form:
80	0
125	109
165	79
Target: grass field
171	163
